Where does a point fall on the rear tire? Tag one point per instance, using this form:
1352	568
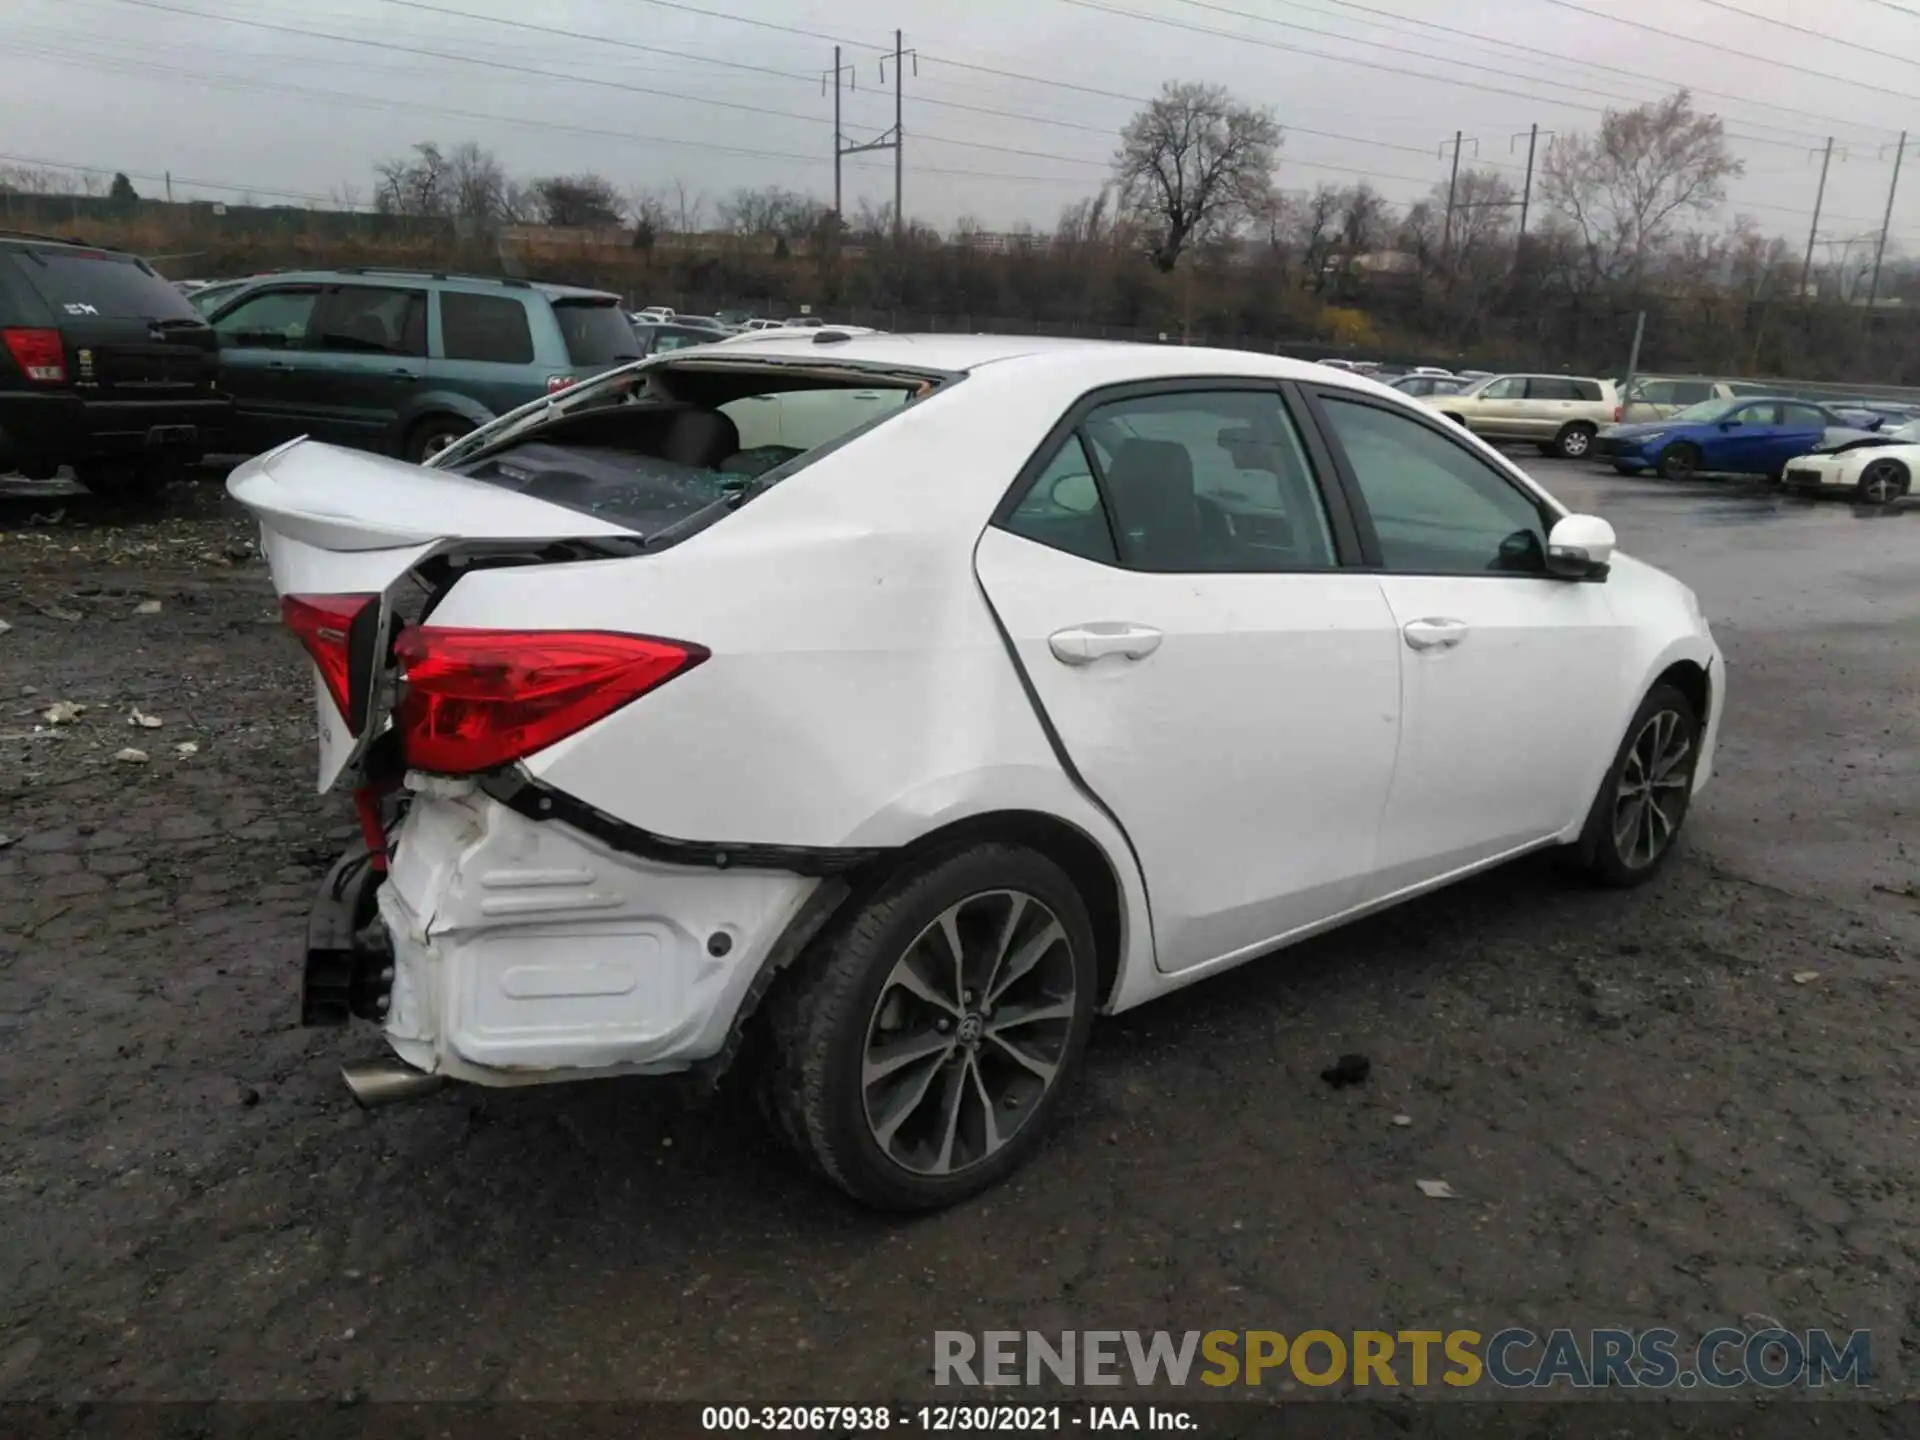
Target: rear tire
434	434
1643	801
1575	441
904	1095
1680	461
1882	483
129	482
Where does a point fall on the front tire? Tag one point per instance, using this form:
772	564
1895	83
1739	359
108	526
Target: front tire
1575	441
1643	802
1882	483
1680	461
922	1048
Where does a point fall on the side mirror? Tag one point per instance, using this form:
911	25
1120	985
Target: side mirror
1580	547
1729	424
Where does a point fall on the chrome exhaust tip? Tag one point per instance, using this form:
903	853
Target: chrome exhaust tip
387	1082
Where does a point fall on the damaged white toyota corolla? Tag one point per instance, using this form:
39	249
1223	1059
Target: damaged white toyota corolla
901	703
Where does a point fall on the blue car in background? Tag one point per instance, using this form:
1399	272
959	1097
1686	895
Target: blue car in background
1741	436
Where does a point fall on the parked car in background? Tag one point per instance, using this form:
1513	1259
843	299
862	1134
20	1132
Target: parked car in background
763	324
654	312
1655	397
658	339
673	780
1418	385
405	362
1559	413
104	366
1728	437
1475	375
1875	469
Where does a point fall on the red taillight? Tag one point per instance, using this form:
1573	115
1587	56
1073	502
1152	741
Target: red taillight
39	353
557	383
324	624
477	699
1618	411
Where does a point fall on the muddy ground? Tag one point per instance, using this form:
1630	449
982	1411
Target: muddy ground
1691	1105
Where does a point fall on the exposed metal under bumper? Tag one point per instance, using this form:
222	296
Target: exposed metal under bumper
387	1082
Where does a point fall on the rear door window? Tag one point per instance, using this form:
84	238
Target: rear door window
370	320
84	284
484	327
1551	387
597	333
1691	392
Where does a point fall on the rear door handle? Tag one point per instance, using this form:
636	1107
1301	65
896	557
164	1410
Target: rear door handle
1434	633
404	374
1084	644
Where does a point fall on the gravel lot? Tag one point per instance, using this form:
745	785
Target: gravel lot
1649	1120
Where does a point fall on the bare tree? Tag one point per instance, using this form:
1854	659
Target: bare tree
1192	165
1315	232
1848	259
1485	212
416	187
688	209
345	196
1624	188
475	186
785	214
578	200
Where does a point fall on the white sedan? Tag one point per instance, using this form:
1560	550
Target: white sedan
1877	469
1035	680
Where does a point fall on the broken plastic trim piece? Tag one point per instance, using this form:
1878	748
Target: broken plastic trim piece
524	795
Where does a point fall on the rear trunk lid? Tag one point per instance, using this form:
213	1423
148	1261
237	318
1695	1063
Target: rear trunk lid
339	522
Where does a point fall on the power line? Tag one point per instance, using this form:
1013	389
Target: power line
1392	49
176	179
1798	29
512	68
1590	64
1481	86
254	84
1724	51
1105	130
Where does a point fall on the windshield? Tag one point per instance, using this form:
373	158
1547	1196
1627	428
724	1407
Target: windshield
1704	413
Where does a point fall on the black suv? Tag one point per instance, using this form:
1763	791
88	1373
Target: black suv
104	366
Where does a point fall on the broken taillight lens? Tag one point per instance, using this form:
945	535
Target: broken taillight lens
324	624
477	699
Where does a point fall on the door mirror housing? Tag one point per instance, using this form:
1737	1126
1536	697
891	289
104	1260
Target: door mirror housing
1729	424
1580	547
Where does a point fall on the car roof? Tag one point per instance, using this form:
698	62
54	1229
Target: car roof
1107	361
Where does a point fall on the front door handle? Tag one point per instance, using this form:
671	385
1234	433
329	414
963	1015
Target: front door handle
1084	644
404	374
1434	633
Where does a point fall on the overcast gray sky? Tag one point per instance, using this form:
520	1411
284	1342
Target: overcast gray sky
148	86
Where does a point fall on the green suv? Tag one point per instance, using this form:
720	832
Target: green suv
403	362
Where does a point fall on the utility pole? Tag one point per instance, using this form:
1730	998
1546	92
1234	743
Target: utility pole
1446	239
1873	288
1813	231
1633	365
1526	189
889	139
169	175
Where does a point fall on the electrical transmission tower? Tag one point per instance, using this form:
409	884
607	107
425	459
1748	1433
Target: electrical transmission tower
889	139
